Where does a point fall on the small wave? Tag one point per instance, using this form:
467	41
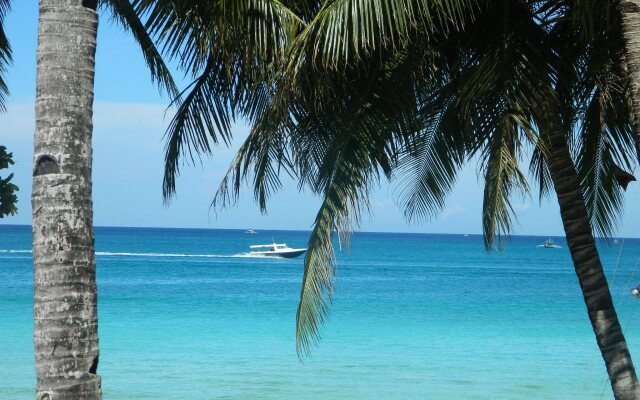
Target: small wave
165	255
126	254
129	254
179	255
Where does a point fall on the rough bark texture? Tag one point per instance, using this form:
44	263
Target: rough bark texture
586	260
630	12
65	313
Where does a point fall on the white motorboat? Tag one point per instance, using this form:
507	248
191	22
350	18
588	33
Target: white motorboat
250	231
550	244
275	250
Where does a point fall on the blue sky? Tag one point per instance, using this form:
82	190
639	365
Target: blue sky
129	121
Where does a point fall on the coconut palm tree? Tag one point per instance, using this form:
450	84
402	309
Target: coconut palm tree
354	102
65	302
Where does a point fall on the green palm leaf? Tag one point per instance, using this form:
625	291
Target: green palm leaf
231	58
502	176
606	140
5	54
344	31
349	175
427	169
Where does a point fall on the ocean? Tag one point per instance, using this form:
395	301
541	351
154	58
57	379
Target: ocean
184	315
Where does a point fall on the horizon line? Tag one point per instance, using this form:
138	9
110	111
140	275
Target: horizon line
352	232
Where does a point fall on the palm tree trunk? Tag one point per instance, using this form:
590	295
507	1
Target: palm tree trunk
65	312
586	261
630	12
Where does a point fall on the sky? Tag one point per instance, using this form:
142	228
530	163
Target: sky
130	119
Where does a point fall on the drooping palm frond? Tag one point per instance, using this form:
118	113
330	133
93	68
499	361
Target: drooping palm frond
231	58
351	151
5	54
502	176
605	142
428	168
336	150
341	169
189	131
263	156
497	85
345	194
539	170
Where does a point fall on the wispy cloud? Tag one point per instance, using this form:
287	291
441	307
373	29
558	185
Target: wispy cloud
148	116
452	211
522	207
381	203
19	120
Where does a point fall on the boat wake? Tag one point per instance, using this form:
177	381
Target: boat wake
163	255
123	254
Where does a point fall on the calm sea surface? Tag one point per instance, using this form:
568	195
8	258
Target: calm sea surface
184	316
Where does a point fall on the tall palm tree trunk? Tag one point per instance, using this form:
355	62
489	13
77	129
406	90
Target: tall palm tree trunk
630	12
65	312
586	261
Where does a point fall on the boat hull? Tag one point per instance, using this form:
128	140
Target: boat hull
290	254
293	253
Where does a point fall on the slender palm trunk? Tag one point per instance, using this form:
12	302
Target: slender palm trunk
630	12
586	261
65	313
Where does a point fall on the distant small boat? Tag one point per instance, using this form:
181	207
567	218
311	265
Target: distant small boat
466	235
616	241
550	244
275	250
250	231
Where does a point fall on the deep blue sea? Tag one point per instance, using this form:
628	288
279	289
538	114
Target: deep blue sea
416	316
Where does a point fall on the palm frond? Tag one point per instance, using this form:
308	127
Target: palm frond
344	31
348	169
539	169
5	54
428	168
606	140
502	175
497	84
264	155
231	58
604	143
203	112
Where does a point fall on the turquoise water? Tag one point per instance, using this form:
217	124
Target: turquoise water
415	316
